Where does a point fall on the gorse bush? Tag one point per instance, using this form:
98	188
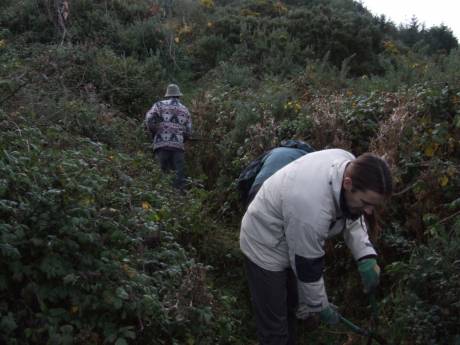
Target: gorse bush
97	76
123	82
208	51
141	39
31	19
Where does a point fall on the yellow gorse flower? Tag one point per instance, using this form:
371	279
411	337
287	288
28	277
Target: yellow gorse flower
293	105
207	3
431	149
443	181
390	47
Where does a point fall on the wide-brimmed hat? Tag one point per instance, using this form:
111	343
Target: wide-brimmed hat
173	91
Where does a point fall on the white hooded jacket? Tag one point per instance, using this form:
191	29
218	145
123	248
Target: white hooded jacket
292	215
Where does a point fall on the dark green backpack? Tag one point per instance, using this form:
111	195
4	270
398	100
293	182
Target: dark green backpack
247	176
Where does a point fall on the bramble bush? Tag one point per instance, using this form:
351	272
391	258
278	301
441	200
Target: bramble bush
88	247
424	302
416	128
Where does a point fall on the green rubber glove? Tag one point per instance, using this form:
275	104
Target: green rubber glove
330	315
370	274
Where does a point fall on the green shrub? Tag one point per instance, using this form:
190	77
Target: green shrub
33	20
124	82
140	39
208	51
88	249
235	75
425	304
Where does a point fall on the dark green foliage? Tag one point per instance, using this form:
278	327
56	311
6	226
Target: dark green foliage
101	77
140	39
33	20
123	82
341	34
440	39
437	39
235	75
208	51
426	306
87	246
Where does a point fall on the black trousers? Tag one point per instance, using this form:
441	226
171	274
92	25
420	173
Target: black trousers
274	299
172	160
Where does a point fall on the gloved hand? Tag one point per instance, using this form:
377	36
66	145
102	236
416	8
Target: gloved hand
370	274
330	315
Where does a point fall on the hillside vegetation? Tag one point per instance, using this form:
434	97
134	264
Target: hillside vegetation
97	248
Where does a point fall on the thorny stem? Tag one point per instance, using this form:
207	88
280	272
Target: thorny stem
449	217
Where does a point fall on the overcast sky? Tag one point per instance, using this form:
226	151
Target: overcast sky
430	12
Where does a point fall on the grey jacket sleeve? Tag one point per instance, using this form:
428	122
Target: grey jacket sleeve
306	254
357	240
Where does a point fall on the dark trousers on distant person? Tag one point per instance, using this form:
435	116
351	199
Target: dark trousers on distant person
274	300
172	160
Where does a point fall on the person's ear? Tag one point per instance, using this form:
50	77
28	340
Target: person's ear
347	183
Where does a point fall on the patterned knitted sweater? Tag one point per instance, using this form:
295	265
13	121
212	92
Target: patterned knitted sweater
170	123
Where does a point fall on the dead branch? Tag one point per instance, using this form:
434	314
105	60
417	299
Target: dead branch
13	93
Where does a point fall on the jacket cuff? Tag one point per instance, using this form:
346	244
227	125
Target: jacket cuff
370	256
312	297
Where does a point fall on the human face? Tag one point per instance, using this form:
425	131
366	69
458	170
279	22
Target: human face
362	202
